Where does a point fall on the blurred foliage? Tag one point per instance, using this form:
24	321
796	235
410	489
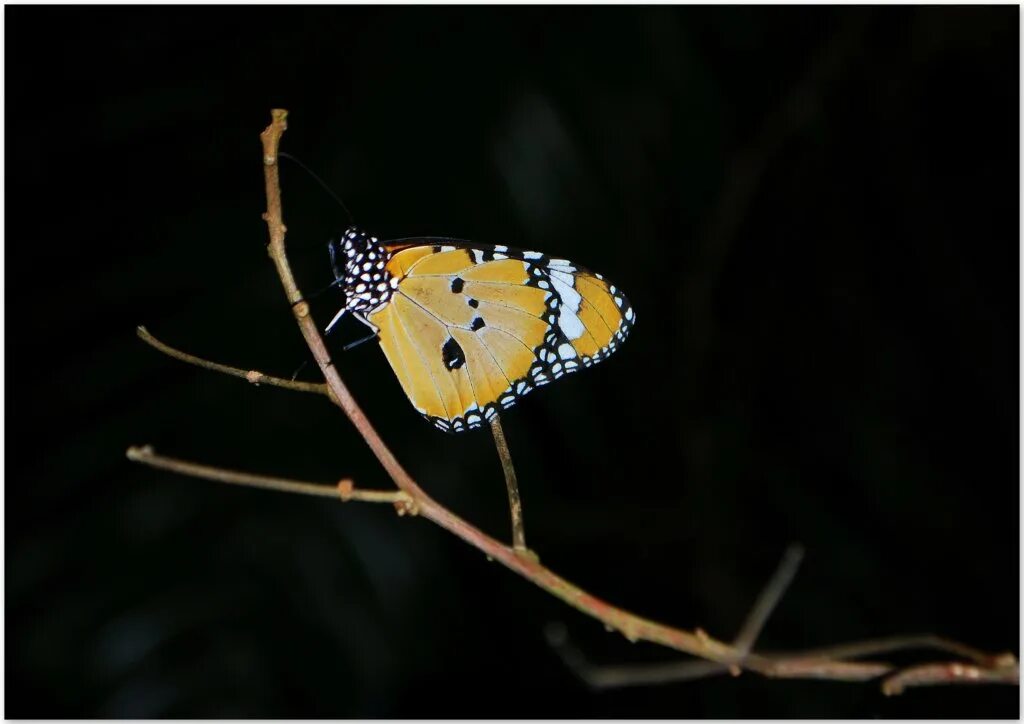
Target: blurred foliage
814	212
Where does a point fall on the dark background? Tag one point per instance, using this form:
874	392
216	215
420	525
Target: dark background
814	212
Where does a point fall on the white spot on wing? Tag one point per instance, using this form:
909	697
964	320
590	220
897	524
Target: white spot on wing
566	351
563	285
571	325
532	255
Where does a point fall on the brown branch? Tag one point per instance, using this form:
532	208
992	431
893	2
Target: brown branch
892	644
950	673
147	456
770	596
820	663
345	489
412	499
515	505
632	626
810	664
613	676
253	376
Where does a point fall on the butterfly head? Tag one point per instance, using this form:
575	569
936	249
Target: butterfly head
359	262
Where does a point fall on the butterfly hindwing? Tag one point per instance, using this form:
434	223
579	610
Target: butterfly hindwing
472	328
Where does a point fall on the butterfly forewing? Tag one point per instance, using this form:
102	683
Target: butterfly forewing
472	328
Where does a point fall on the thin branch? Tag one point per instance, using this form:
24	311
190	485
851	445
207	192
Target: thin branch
600	677
345	489
515	505
253	376
892	644
147	456
821	663
792	665
949	673
770	596
610	677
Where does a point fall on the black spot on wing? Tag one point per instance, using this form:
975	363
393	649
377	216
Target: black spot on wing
477	323
457	285
473	303
452	354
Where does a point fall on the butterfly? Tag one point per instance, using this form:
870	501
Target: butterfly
471	328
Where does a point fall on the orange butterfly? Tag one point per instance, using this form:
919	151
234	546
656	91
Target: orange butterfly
470	328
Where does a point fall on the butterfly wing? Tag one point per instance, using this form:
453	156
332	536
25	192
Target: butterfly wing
473	328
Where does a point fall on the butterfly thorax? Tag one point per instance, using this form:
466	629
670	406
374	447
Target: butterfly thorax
360	265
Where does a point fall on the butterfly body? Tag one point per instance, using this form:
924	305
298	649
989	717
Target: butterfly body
470	328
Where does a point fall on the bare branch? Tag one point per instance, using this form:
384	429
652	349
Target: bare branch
147	456
891	644
770	596
515	505
410	498
660	673
345	490
950	673
822	663
253	376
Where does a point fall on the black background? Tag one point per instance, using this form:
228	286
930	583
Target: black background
814	212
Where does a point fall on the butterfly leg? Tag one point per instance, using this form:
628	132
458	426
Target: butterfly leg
337	318
367	338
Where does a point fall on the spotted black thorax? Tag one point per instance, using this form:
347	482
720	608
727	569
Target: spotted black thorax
358	260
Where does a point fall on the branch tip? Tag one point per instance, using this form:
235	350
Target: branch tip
139	453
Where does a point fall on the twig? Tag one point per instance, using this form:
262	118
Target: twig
147	456
949	673
601	677
253	376
769	598
515	505
820	663
345	489
891	644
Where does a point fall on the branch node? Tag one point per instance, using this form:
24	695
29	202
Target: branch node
137	453
527	553
301	310
346	489
405	504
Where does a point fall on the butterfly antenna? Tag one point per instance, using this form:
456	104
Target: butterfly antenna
319	180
